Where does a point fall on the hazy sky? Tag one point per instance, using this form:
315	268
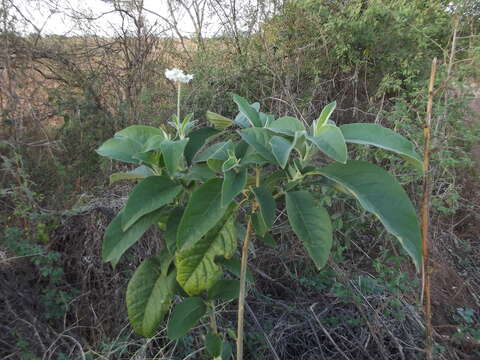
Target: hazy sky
62	22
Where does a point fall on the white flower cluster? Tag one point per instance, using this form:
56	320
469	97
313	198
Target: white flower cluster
178	75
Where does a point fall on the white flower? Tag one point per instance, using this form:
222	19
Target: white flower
178	75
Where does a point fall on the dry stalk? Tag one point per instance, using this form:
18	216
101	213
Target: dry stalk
425	213
241	297
243	276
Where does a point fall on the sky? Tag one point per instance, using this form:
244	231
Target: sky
61	22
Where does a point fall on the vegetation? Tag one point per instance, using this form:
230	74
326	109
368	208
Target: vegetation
265	160
252	209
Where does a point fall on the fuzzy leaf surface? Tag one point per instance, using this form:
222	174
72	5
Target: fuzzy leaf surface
149	195
149	294
204	210
380	193
382	137
196	267
116	241
311	223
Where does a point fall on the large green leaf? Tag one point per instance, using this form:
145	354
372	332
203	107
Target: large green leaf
218	121
379	136
172	228
264	219
331	142
116	241
242	121
173	154
281	149
120	149
200	172
149	294
149	195
233	183
128	142
195	262
312	225
154	143
185	316
139	133
251	156
218	151
380	193
249	111
203	212
323	118
286	125
266	119
224	290
139	173
259	139
196	139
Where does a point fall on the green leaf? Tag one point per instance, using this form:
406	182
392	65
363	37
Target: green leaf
151	158
149	294
246	109
214	345
267	205
120	149
218	121
200	172
233	265
196	139
139	173
281	149
154	143
231	163
331	142
128	142
195	262
226	350
242	121
380	193
218	151
233	183
259	139
259	225
323	118
379	136
311	224
266	119
253	157
139	133
185	316
149	195
116	241
287	125
172	227
203	212
173	154
224	290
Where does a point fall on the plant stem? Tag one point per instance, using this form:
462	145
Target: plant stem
241	297
257	177
425	213
179	92
213	319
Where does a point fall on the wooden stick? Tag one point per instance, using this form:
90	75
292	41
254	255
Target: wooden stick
241	297
425	214
243	275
